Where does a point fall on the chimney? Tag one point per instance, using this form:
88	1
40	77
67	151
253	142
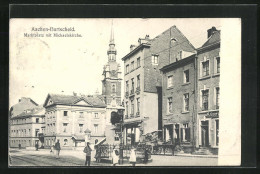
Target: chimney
132	47
147	37
211	31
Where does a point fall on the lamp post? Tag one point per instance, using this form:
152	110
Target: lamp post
121	114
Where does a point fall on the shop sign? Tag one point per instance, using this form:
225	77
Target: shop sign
212	115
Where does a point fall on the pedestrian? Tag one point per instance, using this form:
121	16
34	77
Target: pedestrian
87	150
132	157
57	148
52	149
98	153
115	157
36	145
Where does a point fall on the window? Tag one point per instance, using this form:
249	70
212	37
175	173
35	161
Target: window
126	108
96	115
138	106
28	131
155	59
81	114
186	76
138	62
138	81
186	102
133	85
37	120
113	87
185	133
80	128
127	86
132	107
218	65
65	113
205	98
65	142
36	132
205	68
170	81
217	98
95	128
127	69
65	125
53	127
217	132
132	66
179	57
170	105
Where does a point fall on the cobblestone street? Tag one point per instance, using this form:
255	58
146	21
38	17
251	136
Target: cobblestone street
43	157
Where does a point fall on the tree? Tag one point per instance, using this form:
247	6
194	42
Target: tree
115	118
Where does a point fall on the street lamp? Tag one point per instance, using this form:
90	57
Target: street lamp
121	114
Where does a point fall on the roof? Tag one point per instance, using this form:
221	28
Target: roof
178	63
135	50
36	111
214	38
23	104
93	100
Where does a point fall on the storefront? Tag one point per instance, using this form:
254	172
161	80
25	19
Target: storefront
132	133
208	129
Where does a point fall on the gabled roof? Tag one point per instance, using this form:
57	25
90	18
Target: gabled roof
36	111
23	104
214	38
92	100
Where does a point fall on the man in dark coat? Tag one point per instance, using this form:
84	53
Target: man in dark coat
87	150
57	148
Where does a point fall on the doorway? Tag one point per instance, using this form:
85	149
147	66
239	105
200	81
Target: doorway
204	133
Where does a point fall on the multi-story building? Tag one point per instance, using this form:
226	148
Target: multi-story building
178	100
27	128
143	81
208	92
68	116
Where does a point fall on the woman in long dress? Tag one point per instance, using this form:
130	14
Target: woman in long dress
115	157
132	157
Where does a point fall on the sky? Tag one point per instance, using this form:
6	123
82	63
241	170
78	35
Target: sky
42	65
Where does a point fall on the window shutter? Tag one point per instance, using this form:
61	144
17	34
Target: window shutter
181	134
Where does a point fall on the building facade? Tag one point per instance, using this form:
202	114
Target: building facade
143	81
178	100
68	116
27	128
208	92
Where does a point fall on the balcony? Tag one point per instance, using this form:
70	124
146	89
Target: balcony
137	90
126	94
132	93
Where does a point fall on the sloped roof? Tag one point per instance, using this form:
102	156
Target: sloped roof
39	110
214	38
23	104
93	100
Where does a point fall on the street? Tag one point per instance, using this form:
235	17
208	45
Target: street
43	157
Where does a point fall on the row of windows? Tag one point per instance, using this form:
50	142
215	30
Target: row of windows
204	98
205	66
132	67
81	114
23	121
81	126
24	132
177	132
186	79
133	84
133	102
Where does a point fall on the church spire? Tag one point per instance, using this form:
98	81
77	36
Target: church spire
112	34
111	52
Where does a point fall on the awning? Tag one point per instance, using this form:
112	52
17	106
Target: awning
79	137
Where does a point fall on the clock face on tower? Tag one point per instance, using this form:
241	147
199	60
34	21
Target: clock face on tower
113	73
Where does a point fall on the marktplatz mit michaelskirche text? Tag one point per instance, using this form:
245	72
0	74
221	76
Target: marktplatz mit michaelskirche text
52	32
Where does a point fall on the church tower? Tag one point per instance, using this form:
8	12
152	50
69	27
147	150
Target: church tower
111	83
